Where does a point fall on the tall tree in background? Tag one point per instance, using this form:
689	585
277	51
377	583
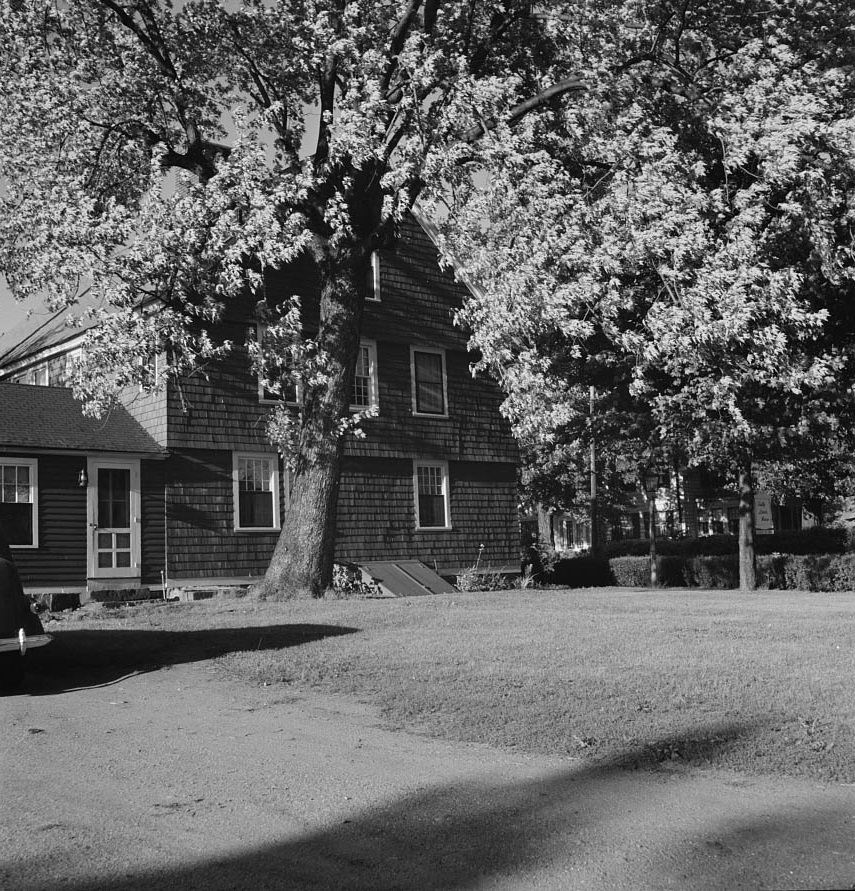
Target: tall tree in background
104	100
687	227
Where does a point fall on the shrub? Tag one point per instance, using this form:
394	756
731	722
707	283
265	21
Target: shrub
581	572
843	572
713	571
474	579
771	571
820	540
630	572
348	583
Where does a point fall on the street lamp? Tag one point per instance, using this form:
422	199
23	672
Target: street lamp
651	486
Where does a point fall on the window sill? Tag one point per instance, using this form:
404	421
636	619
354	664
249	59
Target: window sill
434	528
252	529
20	547
427	414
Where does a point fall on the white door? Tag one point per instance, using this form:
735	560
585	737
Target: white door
114	518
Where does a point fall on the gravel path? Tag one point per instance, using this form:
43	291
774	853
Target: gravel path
179	778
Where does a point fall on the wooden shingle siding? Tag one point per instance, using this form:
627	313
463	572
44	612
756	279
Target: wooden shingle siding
376	515
149	410
201	539
60	558
153	525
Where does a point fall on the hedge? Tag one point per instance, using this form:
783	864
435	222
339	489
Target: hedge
819	540
802	572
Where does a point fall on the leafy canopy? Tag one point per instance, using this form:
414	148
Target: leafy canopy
683	243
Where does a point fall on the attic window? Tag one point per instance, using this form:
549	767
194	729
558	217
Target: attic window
373	289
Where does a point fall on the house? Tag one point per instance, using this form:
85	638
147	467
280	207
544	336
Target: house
181	487
693	503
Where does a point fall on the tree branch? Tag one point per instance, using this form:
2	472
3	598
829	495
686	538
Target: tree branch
518	112
396	44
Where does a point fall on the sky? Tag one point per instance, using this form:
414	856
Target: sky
12	313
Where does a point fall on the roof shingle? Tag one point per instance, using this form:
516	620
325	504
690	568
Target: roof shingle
50	418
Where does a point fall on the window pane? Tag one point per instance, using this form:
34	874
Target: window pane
114	498
105	540
17	522
431	510
123	558
105	560
429	391
10	481
256	509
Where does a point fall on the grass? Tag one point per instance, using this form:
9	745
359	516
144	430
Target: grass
758	683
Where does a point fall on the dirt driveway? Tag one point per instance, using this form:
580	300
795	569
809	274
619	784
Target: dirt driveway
179	778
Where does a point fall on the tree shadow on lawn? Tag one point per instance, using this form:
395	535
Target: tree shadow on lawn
98	657
479	832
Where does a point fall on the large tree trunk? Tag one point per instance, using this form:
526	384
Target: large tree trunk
747	556
303	557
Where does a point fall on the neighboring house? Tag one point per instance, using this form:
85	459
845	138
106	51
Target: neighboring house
691	505
182	485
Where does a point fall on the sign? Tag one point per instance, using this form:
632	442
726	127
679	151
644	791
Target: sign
763	524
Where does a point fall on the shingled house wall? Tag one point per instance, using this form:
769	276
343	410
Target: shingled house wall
212	416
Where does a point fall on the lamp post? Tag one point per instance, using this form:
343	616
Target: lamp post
651	485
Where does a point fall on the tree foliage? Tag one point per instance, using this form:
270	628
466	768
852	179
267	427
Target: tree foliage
683	243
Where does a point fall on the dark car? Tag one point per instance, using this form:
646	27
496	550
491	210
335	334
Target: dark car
20	628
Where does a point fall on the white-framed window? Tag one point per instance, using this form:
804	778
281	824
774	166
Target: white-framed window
19	501
255	485
288	390
374	277
433	508
430	385
364	392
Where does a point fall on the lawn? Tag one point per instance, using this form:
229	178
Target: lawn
759	683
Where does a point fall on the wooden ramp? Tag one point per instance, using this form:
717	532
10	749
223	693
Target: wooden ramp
405	578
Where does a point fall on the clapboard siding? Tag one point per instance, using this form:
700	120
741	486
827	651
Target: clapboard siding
60	558
377	515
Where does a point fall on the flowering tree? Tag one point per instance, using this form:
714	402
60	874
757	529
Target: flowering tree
296	127
684	240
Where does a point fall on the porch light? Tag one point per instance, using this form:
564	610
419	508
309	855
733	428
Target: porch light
83	479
